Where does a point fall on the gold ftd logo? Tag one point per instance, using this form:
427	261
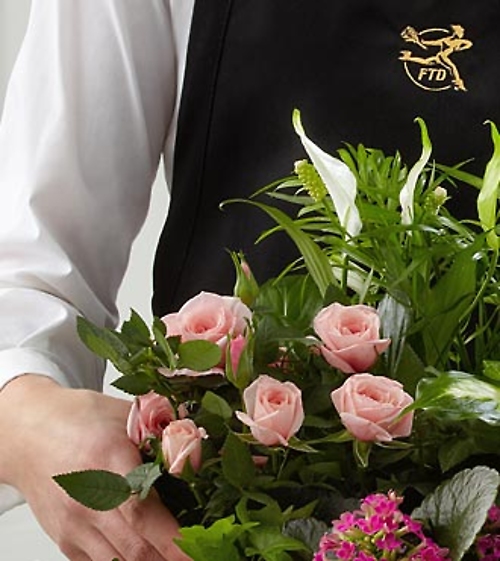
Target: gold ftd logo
430	62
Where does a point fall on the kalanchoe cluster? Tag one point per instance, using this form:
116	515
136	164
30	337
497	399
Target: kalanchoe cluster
378	531
488	542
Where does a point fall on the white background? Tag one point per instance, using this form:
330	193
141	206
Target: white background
20	537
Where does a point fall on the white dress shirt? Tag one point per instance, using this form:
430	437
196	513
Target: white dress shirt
90	109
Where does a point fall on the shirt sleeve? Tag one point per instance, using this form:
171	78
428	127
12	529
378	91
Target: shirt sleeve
86	116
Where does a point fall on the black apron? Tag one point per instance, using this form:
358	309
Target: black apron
359	71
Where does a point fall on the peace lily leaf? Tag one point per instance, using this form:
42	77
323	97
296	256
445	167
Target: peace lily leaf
459	396
488	195
338	178
406	196
198	355
458	508
96	489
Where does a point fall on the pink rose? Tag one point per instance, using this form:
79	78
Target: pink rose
236	348
368	406
209	317
182	441
274	410
350	336
149	415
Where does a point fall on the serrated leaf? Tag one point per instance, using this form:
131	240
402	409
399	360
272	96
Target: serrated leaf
104	343
216	405
96	489
134	384
458	508
199	355
136	329
143	477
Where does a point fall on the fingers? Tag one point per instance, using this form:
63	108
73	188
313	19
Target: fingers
151	519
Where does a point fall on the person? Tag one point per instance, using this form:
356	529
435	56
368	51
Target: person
100	91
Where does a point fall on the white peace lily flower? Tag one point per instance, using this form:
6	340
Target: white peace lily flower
338	178
406	196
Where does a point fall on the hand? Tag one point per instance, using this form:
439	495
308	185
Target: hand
46	430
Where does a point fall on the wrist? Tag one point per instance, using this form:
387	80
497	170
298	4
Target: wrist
19	418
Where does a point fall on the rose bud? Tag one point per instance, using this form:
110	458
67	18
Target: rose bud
181	441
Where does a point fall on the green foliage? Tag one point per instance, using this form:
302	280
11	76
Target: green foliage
96	489
435	283
217	542
457	509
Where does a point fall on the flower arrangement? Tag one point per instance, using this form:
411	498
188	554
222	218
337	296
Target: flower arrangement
348	409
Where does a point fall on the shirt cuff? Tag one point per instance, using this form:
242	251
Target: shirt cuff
9	498
17	362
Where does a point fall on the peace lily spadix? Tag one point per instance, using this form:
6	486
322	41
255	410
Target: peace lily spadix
407	193
338	178
487	199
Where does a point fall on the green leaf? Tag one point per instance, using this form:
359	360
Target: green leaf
362	452
139	383
491	369
455	451
271	543
394	323
237	463
306	530
488	195
217	542
459	396
458	508
104	343
96	489
143	477
159	332
295	444
315	259
199	355
136	329
216	405
446	304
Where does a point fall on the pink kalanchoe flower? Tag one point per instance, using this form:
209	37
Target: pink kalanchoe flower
378	531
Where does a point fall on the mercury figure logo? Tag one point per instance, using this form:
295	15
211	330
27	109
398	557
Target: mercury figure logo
429	64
